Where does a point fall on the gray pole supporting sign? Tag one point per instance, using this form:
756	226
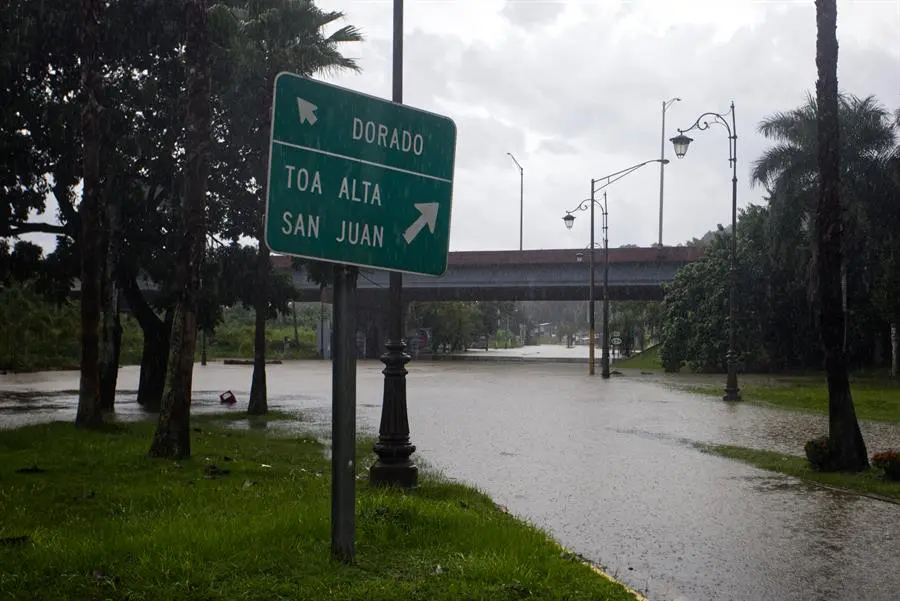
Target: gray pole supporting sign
343	416
358	180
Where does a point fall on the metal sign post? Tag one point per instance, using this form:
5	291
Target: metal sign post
343	417
361	182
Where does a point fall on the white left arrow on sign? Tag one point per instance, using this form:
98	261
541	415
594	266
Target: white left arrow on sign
307	111
428	216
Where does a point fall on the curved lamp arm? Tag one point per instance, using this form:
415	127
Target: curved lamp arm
584	205
681	141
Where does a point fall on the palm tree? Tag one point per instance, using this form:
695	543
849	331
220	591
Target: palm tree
789	170
89	413
847	450
263	38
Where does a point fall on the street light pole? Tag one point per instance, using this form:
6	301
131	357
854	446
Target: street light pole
569	220
592	320
393	466
605	372
662	165
681	143
521	196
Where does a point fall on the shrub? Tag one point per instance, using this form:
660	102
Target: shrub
889	461
820	454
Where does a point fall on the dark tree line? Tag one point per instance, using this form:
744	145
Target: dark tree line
144	105
777	310
818	272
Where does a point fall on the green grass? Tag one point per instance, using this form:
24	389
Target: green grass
649	359
106	522
870	481
874	398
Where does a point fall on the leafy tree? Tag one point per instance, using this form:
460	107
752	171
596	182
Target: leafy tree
89	413
847	449
789	170
775	251
263	38
453	324
46	333
774	328
40	137
172	438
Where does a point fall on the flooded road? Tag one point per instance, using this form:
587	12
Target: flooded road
608	467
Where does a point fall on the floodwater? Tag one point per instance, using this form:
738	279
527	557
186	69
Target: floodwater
608	467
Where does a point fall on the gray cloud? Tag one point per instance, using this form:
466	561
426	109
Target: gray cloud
483	142
531	13
579	87
557	146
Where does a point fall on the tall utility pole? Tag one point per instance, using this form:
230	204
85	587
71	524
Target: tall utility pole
393	466
521	196
593	325
662	162
604	372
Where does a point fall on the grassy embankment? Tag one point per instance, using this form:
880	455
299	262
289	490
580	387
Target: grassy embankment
648	360
875	397
869	482
98	519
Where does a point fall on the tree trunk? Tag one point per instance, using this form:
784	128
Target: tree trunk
172	439
111	345
895	350
109	364
845	440
154	364
844	303
156	342
258	404
89	413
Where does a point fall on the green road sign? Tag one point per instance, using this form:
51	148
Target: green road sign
358	180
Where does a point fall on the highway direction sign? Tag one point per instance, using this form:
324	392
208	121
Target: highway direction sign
358	180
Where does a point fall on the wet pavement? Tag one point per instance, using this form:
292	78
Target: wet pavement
609	468
544	352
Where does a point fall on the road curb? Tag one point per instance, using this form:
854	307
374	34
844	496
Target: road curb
585	561
597	570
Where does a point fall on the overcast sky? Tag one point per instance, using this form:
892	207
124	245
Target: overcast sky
573	88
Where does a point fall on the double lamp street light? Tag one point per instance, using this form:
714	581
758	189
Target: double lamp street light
569	220
681	143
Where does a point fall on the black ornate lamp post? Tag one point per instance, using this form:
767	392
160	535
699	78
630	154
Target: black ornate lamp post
393	466
569	220
681	143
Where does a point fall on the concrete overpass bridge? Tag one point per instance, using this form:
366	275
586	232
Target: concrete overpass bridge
536	275
634	274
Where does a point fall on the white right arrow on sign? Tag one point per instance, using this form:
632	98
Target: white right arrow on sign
428	216
307	111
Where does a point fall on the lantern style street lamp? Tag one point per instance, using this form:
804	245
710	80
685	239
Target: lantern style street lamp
569	220
681	143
